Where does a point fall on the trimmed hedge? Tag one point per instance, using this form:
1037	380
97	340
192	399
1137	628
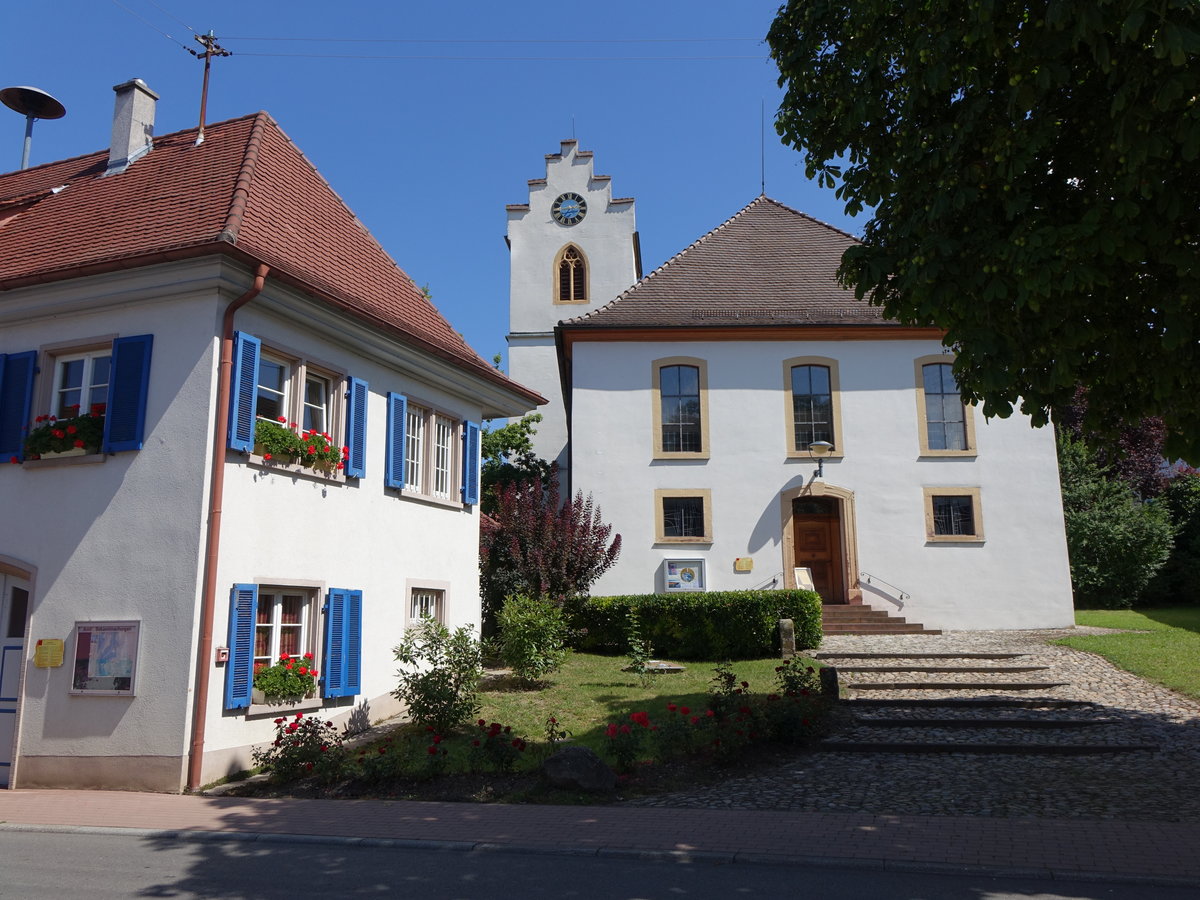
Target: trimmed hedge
702	625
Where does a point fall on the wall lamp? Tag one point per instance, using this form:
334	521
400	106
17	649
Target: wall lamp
818	450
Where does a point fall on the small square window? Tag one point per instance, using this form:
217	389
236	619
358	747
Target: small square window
952	514
427	603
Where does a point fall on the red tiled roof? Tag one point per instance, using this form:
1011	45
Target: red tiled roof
767	265
246	191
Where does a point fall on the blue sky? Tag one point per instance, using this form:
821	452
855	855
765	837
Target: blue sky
429	141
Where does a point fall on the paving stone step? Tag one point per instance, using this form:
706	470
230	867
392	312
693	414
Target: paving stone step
965	703
1019	749
954	685
832	655
875	628
981	723
975	669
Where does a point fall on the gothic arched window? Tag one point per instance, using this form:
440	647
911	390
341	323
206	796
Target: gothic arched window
572	276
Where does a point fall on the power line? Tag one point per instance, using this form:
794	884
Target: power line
331	40
507	58
151	25
172	15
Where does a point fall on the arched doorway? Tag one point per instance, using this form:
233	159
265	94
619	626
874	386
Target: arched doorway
819	533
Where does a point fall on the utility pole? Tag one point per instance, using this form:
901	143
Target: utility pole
211	49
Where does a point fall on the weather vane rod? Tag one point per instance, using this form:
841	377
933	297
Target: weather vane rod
211	49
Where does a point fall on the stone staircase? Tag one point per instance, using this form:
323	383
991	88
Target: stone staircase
846	618
928	702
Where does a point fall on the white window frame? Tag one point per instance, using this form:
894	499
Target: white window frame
414	448
443	456
309	617
418	588
298	370
432	452
50	357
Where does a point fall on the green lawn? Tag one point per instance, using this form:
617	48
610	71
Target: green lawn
1168	652
590	691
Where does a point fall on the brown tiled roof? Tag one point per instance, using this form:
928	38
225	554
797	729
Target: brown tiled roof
246	191
767	265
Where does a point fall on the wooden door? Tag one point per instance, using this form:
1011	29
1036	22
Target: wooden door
817	532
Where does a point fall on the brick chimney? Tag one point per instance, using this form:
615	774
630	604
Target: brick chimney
133	125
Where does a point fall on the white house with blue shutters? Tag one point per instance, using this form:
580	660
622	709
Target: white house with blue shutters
143	577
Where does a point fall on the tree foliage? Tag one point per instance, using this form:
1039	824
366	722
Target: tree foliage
1115	541
1031	167
534	545
1134	454
508	457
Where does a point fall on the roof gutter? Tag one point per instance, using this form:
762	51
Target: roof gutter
204	662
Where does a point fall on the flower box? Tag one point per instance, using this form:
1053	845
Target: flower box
258	698
62	454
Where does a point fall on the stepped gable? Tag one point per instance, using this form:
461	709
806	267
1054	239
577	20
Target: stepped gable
246	191
767	265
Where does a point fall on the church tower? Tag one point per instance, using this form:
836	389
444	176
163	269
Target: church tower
572	248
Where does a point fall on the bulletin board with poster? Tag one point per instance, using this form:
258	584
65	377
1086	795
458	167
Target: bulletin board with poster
105	658
683	575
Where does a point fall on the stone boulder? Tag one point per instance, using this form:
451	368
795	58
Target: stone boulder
579	768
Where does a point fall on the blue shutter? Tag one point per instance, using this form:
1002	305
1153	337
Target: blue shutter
470	472
239	671
343	643
397	424
128	386
243	392
356	428
16	397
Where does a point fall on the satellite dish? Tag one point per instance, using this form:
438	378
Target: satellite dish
32	103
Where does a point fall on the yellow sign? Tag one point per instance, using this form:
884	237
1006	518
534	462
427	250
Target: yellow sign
743	564
48	653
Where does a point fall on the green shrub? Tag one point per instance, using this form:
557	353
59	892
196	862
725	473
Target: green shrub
1116	542
302	747
1178	581
701	625
440	684
533	636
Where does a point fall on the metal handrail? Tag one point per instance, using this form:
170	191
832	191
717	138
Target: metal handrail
872	579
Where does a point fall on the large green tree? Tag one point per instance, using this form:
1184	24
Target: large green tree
1032	171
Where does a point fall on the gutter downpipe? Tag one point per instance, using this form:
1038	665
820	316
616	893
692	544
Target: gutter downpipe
204	660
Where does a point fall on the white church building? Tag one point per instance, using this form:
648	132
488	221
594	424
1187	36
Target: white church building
740	418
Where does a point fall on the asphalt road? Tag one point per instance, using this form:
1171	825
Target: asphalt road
34	866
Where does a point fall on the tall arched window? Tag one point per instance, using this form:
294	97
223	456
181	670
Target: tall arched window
572	276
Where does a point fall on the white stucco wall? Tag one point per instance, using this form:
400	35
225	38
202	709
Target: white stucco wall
285	529
1018	577
605	236
119	539
125	538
